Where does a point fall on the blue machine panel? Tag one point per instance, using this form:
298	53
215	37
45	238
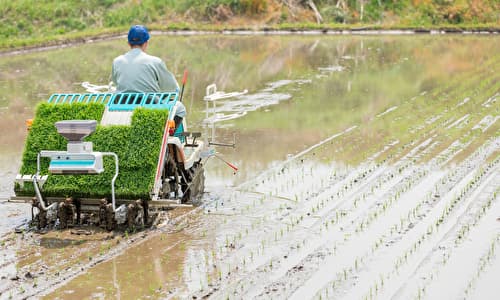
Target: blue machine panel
79	163
120	101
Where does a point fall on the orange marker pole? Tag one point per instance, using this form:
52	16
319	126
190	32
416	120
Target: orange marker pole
184	80
235	168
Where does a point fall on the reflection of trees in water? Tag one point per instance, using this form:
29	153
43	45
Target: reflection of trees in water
455	55
239	62
234	62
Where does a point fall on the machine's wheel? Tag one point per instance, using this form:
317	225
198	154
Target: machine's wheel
170	178
110	217
176	179
185	184
66	213
135	215
42	219
102	212
78	211
145	205
198	183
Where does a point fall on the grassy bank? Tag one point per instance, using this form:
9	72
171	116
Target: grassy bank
28	23
14	44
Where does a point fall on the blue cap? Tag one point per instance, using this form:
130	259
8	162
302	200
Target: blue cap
138	35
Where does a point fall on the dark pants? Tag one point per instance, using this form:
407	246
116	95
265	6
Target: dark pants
178	121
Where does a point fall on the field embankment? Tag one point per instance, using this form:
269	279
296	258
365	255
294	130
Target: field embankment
31	23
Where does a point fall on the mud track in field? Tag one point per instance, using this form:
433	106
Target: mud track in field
50	260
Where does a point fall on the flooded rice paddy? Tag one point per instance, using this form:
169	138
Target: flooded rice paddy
368	169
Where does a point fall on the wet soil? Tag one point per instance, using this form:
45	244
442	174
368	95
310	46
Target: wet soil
37	262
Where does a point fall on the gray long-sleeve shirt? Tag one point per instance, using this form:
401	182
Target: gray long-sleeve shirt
136	71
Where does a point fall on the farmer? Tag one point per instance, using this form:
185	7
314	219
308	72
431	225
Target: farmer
136	71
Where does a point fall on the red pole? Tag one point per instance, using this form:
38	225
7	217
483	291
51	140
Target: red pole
184	80
235	168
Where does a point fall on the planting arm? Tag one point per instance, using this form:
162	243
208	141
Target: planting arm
114	177
35	184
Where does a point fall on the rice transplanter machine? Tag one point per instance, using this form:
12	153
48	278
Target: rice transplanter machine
178	178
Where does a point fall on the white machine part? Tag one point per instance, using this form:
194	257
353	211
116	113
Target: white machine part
65	162
116	117
79	157
76	130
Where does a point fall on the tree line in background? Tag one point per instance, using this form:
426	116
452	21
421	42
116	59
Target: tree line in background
32	18
408	12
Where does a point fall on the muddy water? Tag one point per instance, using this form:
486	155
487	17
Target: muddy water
333	107
154	268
